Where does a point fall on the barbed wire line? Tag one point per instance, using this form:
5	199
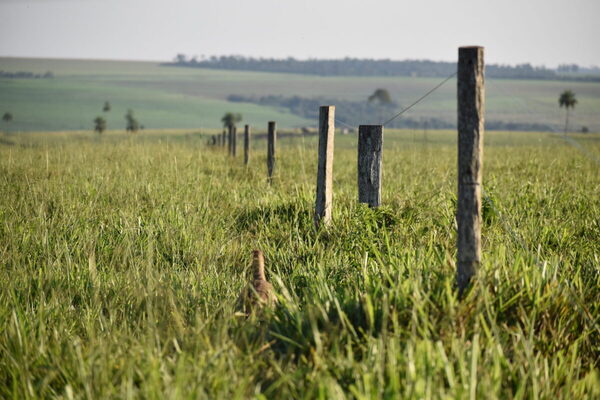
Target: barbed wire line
406	108
345	124
420	98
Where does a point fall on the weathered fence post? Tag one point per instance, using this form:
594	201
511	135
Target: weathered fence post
234	141
471	99
246	144
272	138
370	145
325	166
223	139
229	138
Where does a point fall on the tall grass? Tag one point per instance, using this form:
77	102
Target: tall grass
121	260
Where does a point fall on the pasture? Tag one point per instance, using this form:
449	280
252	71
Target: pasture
185	98
122	257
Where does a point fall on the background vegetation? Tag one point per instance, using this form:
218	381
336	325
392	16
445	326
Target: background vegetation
193	98
371	67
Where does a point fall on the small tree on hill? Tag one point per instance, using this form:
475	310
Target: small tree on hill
382	96
106	107
99	124
230	119
7	117
567	100
180	58
132	123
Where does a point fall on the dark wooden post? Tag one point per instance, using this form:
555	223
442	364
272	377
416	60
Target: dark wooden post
223	138
229	138
325	165
234	141
370	145
471	99
272	138
246	144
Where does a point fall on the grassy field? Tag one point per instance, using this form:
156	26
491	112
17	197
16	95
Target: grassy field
122	258
168	97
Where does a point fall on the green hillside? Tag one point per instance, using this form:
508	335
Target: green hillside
170	97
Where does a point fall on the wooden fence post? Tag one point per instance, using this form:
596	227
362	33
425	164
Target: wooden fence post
234	141
325	166
370	145
272	138
223	139
229	138
246	144
471	99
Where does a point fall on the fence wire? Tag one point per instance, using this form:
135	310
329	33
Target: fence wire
439	85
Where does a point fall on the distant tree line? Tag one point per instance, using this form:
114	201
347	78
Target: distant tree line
355	113
25	74
384	67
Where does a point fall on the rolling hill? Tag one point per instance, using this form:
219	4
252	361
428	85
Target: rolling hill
170	97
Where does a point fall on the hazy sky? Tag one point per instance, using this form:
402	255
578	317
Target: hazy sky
546	32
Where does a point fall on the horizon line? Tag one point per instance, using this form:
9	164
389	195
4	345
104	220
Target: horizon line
108	59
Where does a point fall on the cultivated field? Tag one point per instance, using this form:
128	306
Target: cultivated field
168	97
122	258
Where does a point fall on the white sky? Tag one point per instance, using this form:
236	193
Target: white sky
542	32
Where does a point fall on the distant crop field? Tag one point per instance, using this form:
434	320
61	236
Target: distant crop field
169	97
122	257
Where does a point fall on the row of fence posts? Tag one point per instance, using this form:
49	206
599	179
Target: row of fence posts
229	138
470	96
471	99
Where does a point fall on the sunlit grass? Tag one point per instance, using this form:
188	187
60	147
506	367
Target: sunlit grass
122	258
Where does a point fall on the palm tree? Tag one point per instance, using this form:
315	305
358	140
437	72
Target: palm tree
567	100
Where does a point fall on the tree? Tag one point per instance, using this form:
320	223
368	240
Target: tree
230	119
106	107
7	117
99	125
132	123
381	95
567	100
180	58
